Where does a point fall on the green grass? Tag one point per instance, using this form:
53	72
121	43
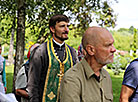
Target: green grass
9	78
116	82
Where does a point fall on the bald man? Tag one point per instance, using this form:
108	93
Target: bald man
88	81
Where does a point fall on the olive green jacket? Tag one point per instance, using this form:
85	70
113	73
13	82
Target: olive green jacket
80	85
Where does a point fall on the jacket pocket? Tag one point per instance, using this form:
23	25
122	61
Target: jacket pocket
92	98
108	97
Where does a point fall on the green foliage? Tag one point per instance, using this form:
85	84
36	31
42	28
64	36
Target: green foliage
131	29
74	41
125	60
106	16
119	64
123	40
116	65
123	29
85	11
8	18
5	30
38	13
134	46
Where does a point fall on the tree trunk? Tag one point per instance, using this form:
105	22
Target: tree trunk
20	44
10	55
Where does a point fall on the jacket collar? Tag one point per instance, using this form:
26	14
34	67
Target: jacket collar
89	72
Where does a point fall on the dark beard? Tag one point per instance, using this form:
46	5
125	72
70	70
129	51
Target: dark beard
62	39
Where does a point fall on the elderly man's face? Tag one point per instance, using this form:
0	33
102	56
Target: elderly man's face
104	51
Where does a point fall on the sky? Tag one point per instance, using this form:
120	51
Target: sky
127	11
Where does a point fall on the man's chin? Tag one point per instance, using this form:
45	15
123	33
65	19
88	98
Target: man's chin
107	62
62	39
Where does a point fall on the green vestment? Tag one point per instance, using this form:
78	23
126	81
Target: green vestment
55	73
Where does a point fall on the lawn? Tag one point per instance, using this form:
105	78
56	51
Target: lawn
116	82
9	77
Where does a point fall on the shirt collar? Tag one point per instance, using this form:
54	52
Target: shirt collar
88	70
58	43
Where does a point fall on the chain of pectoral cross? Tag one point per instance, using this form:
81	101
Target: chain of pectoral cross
61	74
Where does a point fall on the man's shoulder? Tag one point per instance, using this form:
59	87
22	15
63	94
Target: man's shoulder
133	65
105	72
74	54
42	47
75	71
71	48
135	61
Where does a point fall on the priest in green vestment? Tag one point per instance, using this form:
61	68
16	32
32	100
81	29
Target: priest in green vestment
50	61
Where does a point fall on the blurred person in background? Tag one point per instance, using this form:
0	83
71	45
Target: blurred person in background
81	52
129	90
22	77
2	72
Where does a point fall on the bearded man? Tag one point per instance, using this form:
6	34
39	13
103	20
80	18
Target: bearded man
50	61
88	81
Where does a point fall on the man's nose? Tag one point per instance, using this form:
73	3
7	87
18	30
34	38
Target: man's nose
67	29
113	49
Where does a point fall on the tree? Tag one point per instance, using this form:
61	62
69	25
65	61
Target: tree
81	13
11	49
88	10
19	56
134	43
122	29
122	39
7	31
36	14
131	29
8	12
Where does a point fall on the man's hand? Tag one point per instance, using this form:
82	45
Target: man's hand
5	89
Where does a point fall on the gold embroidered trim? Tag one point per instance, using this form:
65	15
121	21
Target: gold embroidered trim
70	56
47	77
51	95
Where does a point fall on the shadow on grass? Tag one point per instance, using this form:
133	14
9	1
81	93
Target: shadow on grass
9	78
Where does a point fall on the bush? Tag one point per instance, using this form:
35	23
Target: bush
119	64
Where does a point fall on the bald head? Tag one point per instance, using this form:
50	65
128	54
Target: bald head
94	35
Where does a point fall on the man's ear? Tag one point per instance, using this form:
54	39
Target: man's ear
90	50
52	29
